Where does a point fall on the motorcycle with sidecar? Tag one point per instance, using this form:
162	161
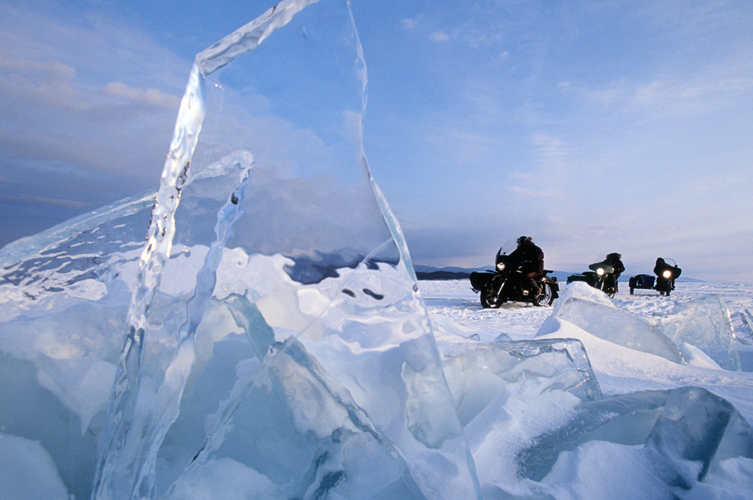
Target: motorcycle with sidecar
664	283
601	276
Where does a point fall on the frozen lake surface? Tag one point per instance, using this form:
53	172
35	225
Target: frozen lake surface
618	370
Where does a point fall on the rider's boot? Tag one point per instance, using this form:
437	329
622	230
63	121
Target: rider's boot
534	287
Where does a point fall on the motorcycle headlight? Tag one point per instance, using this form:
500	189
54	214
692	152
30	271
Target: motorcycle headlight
667	274
600	271
500	266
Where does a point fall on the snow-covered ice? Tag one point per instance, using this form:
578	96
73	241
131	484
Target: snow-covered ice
618	370
269	340
597	447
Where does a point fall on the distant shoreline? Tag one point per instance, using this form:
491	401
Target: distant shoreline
442	275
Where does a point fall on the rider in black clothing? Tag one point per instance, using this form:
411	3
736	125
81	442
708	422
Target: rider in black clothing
613	259
530	260
659	269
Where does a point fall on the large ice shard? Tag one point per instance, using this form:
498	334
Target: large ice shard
592	311
539	427
704	323
275	345
268	341
684	443
63	296
341	370
269	334
479	372
502	391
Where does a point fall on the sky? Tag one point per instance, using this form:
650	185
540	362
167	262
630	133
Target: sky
591	126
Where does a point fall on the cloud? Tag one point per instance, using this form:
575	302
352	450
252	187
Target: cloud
672	96
152	97
675	97
52	69
43	200
472	26
87	109
411	23
550	147
70	91
541	193
440	36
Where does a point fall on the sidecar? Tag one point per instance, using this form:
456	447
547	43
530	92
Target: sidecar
480	278
641	281
594	277
589	277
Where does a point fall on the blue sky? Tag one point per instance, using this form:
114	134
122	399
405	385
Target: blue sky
592	126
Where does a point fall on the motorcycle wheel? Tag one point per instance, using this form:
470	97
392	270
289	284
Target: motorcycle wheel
546	297
489	299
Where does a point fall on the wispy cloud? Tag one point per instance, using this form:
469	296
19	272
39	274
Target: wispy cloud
440	36
533	193
70	90
153	97
53	69
411	23
43	200
672	95
478	25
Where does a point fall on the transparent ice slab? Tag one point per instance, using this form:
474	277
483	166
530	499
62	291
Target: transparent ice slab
479	372
268	339
510	392
683	443
63	296
592	311
704	323
267	214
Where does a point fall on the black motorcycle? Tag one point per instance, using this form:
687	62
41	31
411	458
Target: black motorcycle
600	276
666	274
507	284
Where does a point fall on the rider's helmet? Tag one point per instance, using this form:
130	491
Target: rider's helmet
522	239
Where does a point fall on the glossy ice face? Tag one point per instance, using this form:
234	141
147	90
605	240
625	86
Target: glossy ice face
268	341
270	327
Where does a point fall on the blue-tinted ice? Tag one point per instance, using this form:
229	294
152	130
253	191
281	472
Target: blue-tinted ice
274	331
267	339
705	323
592	311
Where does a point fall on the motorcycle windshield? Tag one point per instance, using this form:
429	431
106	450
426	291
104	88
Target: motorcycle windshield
505	250
508	247
603	262
671	265
601	265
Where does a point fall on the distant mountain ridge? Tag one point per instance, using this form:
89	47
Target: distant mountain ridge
444	273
